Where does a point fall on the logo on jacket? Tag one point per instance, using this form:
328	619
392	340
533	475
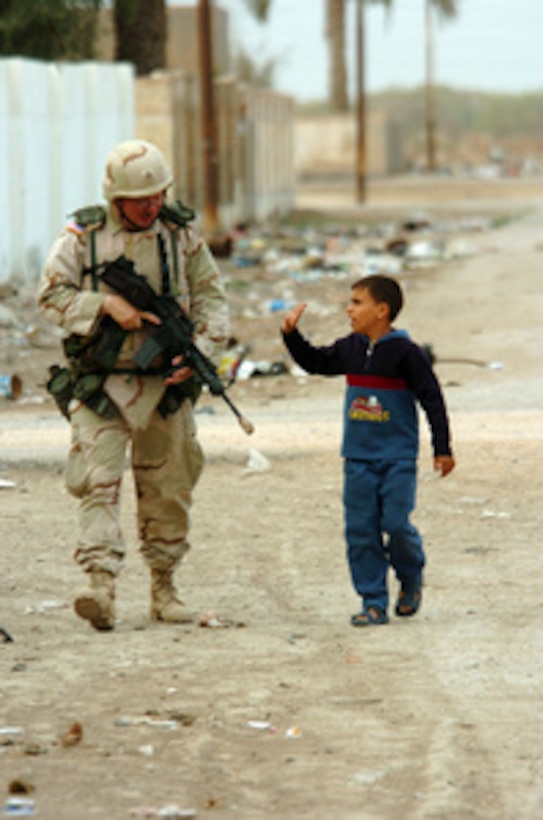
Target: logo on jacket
368	408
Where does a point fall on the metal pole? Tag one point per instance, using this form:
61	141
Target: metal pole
430	101
361	104
208	127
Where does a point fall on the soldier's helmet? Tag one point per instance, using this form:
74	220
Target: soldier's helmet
133	169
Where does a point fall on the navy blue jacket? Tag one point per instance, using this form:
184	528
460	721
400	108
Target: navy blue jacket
384	382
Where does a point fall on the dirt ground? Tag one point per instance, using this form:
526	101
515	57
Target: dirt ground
278	708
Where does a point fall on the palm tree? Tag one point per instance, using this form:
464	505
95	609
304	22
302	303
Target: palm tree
140	30
361	162
49	30
335	34
445	9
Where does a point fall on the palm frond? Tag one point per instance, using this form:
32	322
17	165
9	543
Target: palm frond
446	9
259	8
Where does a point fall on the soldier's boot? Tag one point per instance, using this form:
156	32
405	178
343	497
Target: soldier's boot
165	603
97	603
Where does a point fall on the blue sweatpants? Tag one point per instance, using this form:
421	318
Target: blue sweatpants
378	499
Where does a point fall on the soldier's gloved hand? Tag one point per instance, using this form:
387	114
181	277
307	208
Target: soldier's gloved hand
125	314
179	373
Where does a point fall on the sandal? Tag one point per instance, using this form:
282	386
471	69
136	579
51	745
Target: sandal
409	601
372	616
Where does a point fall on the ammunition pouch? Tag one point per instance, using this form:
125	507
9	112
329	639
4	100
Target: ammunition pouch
61	387
88	388
98	352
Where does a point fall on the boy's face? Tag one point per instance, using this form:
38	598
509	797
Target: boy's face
367	316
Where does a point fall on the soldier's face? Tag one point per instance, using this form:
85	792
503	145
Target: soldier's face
141	211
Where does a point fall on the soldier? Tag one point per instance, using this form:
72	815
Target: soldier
121	405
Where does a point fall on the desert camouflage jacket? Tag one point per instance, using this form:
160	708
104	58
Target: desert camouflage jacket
68	298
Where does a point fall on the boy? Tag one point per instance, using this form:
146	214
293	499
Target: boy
386	374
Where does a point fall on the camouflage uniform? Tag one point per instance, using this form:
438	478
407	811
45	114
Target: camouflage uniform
166	458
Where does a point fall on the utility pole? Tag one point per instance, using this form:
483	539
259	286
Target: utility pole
430	90
360	104
208	126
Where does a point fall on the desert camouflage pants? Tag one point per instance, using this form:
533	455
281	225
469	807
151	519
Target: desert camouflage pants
166	461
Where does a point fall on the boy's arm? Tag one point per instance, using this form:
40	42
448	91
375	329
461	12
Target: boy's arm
444	465
290	322
326	361
424	383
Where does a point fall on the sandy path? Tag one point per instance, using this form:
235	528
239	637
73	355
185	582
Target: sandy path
436	717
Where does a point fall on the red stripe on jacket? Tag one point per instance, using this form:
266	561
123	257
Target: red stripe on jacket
377	382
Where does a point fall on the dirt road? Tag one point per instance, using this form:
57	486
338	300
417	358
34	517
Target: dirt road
281	709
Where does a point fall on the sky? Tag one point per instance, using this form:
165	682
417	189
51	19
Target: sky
492	45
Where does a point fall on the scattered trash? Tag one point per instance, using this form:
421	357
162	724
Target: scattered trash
11	730
294	732
369	778
19	807
35	749
147	720
45	606
279	257
212	621
492	514
11	386
260	725
147	750
8	638
172	812
231	360
472	499
249	369
21	785
73	736
417	222
221	245
423	254
6	484
256	462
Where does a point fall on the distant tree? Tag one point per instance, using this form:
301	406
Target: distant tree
49	29
141	30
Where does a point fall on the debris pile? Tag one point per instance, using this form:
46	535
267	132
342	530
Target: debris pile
267	269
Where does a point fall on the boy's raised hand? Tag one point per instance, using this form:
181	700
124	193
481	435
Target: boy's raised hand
292	318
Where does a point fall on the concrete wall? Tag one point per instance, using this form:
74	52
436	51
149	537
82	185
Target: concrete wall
255	146
326	145
57	123
254	126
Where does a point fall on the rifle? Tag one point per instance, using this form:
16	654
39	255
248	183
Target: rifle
174	334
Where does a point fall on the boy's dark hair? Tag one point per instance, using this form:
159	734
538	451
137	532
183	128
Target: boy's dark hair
383	289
